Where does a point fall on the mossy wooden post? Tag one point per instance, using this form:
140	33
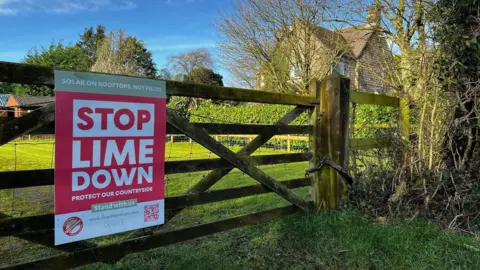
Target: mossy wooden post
330	139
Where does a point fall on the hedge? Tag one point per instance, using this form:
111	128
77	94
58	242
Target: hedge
208	112
212	112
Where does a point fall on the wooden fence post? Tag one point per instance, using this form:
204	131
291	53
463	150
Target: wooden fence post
288	143
330	139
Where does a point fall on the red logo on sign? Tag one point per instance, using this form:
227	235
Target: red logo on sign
72	226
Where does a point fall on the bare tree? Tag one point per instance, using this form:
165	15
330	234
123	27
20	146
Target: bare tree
184	63
118	53
406	26
263	40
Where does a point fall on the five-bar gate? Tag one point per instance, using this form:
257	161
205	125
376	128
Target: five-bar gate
328	132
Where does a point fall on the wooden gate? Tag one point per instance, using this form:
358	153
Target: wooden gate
328	132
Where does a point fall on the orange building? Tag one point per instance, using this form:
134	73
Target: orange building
21	105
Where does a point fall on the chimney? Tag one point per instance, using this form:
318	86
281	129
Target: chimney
373	15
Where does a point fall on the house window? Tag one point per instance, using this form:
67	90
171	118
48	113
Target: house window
295	72
340	68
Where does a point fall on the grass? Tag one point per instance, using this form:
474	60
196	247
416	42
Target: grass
341	240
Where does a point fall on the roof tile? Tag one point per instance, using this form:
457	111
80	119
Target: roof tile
33	100
3	99
355	37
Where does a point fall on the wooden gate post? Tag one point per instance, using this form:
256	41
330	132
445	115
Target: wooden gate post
330	139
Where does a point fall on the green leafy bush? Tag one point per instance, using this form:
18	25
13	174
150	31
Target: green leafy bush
371	115
214	112
209	112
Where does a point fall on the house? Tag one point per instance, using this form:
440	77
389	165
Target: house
360	53
21	105
369	64
4	111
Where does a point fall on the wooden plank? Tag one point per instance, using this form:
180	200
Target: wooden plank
314	139
244	163
176	88
373	99
41	75
26	74
5	119
32	224
220	164
21	225
368	143
228	194
373	126
22	125
44	177
343	132
29	178
216	129
48	129
249	129
276	137
44	238
114	252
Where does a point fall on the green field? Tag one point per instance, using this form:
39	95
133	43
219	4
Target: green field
341	240
39	200
39	155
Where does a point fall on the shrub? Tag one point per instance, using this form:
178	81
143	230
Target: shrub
209	112
223	112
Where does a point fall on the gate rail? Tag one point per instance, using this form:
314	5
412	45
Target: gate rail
39	229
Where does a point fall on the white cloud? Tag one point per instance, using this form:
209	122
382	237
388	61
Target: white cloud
5	10
4	2
8	11
13	7
126	5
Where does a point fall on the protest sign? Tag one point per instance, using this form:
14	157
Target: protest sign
109	154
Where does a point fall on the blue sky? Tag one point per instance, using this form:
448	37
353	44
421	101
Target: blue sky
166	26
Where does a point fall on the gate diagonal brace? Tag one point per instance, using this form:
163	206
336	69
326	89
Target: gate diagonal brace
324	160
19	126
216	175
242	162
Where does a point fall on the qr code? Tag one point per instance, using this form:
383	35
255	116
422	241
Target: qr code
150	212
